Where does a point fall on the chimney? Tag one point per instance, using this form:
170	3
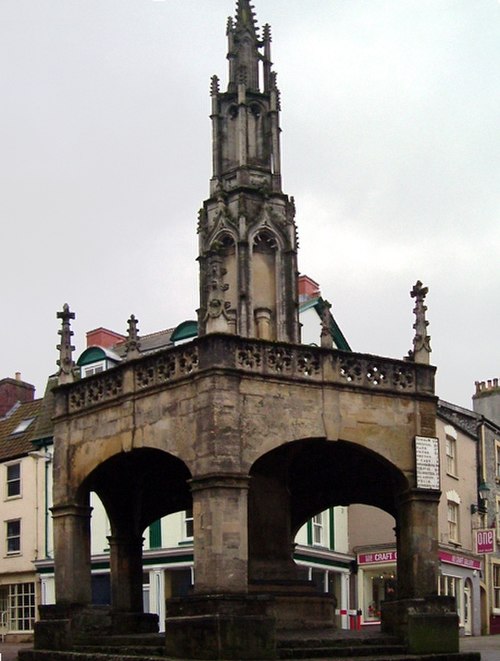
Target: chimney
104	338
486	399
13	391
308	288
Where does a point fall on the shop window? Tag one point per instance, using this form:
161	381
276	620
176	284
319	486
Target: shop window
453	531
496	588
13	480
379	586
317	529
17	602
451	454
450	586
13	537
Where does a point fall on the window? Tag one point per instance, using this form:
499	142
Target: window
95	368
497	460
13	480
448	586
451	455
155	535
188	524
14	536
451	586
18	603
496	587
317	529
22	426
497	519
452	521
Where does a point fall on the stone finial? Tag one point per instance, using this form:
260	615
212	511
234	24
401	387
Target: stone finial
66	373
326	332
132	344
422	341
216	317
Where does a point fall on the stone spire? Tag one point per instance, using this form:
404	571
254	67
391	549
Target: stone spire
66	364
243	48
248	220
422	341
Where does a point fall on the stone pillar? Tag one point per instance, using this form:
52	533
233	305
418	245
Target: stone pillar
270	537
417	541
263	322
220	533
72	554
426	622
126	573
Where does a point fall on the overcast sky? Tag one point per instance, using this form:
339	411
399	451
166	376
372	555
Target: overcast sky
390	118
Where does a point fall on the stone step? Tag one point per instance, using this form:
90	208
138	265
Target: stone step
342	651
50	655
333	655
124	650
127	640
43	655
336	640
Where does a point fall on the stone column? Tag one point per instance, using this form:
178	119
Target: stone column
426	622
270	537
126	573
72	554
220	533
418	560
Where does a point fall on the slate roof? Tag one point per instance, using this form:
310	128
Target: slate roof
43	427
467	421
16	445
149	343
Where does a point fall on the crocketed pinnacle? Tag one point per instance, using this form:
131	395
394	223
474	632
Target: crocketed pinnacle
245	17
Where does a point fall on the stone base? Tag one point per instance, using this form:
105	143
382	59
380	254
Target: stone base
427	626
61	627
296	604
219	627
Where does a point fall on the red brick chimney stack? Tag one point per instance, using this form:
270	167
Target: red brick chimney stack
13	391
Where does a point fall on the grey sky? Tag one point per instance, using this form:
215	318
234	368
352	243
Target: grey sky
390	147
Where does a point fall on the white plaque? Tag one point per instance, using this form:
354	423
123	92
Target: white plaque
427	462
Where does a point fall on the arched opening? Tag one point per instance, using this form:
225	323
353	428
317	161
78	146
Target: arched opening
131	493
264	296
307	486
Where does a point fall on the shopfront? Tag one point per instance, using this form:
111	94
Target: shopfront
459	577
376	583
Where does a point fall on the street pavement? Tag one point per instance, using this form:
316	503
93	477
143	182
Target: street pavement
489	646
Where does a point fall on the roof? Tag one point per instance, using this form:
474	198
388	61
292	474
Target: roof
13	445
43	427
464	419
93	354
318	304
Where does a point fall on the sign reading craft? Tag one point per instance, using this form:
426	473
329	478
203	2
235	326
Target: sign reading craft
427	462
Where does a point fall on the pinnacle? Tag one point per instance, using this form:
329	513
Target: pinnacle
245	16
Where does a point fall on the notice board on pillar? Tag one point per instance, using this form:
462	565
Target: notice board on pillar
427	463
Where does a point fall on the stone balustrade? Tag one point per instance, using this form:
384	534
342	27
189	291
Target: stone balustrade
271	359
